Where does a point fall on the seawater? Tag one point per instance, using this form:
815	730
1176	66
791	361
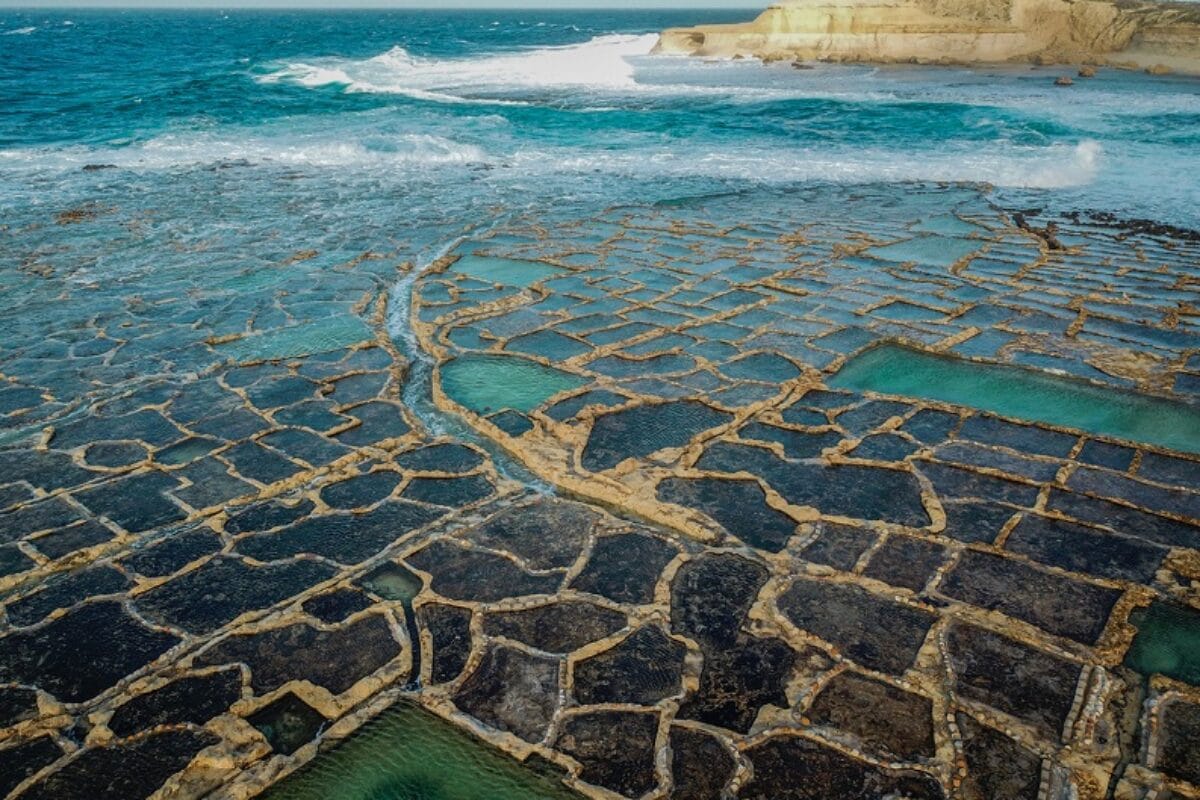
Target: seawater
400	116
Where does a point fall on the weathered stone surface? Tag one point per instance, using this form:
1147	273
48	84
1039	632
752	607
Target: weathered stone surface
546	535
451	492
268	515
378	421
195	699
1084	549
737	680
13	561
460	573
870	415
335	659
64	541
257	463
46	515
793	768
625	568
643	668
931	426
136	503
711	595
739	506
971	454
334	607
122	771
66	592
1179	748
975	521
614	748
450	628
102	635
1179	502
361	490
838	546
997	767
639	431
1026	438
885	718
346	538
46	470
447	457
667	308
23	760
884	447
1167	469
956	482
16	704
1031	685
225	588
147	426
556	628
701	766
905	561
512	691
1057	604
847	490
877	633
1126	520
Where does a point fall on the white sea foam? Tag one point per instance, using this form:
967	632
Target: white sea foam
20	31
407	151
1053	167
603	62
1056	166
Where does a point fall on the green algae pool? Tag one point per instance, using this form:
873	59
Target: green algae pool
488	383
407	753
1024	394
1167	642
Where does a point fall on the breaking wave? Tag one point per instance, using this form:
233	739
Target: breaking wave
602	62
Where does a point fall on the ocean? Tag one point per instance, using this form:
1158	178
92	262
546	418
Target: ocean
464	111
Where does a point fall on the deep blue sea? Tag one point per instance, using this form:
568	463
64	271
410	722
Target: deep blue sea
353	128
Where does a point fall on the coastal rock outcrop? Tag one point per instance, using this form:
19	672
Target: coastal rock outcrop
1123	33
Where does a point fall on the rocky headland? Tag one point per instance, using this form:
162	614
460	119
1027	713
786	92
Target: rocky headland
1156	36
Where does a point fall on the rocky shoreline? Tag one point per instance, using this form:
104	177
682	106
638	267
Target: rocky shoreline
261	548
1160	37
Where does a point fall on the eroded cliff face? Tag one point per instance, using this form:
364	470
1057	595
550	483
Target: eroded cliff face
958	31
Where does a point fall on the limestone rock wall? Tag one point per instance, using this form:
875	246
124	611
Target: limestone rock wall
957	31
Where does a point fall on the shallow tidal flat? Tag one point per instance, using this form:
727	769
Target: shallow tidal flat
805	543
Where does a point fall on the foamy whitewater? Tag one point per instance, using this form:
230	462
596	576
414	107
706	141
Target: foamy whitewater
434	116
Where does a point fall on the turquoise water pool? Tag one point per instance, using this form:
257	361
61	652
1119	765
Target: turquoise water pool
1024	394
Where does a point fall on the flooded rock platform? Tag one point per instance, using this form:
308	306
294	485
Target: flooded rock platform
235	561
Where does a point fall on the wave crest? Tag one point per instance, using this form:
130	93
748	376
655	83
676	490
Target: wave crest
1053	167
602	62
413	151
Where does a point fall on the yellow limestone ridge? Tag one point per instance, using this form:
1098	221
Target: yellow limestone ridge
1157	36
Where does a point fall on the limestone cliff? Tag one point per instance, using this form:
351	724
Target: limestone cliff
1126	32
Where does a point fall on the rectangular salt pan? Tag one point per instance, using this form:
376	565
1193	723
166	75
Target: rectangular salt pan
1025	394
